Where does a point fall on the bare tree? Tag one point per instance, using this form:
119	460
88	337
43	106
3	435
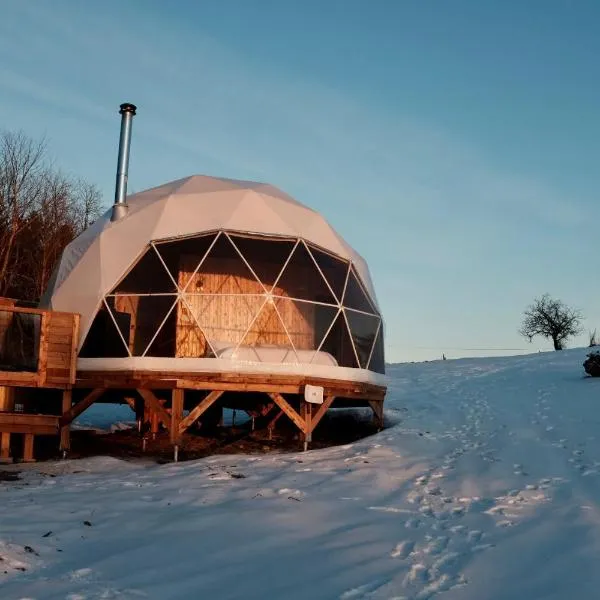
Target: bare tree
21	165
87	203
41	211
551	319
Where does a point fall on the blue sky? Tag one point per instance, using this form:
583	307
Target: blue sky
454	144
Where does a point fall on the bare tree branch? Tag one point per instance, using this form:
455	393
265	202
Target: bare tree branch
41	211
551	319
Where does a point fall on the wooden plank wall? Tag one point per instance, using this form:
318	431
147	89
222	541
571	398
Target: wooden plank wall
59	340
55	343
5	321
230	316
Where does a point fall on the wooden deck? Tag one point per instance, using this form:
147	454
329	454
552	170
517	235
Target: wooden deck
37	347
160	398
233	382
38	352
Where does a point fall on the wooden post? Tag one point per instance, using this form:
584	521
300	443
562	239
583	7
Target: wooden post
43	347
154	423
176	415
74	344
7	404
152	403
65	430
273	422
285	406
28	448
377	408
306	414
7	399
4	446
82	405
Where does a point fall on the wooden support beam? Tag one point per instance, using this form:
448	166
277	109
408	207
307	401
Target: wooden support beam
289	411
82	405
273	422
176	415
4	446
65	430
154	423
262	411
202	407
225	386
131	402
74	343
28	448
12	378
154	404
7	399
28	423
319	414
43	348
377	407
306	414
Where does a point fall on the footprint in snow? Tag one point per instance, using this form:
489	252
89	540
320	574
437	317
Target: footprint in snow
403	549
436	546
84	574
412	523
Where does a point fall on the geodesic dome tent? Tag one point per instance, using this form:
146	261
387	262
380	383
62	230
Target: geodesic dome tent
213	274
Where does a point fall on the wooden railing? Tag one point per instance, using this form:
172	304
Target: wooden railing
37	347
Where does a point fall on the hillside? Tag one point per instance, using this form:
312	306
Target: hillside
486	486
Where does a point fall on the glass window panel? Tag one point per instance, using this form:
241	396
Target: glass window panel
173	253
122	311
103	340
19	341
355	297
267	329
339	345
164	343
266	256
190	341
377	363
363	329
222	272
306	322
141	317
334	269
225	319
301	279
148	276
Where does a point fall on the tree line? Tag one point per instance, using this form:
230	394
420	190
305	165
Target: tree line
41	210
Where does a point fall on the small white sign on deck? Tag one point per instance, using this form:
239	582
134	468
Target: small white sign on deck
313	394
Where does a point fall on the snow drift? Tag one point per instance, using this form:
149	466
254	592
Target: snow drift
486	486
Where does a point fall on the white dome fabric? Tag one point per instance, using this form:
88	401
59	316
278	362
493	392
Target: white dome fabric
94	262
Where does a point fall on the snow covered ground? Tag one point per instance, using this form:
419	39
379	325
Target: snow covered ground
487	486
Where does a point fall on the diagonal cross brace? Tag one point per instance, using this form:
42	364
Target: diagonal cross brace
154	404
82	405
285	406
316	418
202	407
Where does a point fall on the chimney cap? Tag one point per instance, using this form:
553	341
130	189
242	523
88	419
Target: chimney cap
126	107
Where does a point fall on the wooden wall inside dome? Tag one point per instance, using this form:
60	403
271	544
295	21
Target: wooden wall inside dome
226	301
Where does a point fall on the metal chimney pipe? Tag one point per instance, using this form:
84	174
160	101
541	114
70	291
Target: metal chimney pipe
119	209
